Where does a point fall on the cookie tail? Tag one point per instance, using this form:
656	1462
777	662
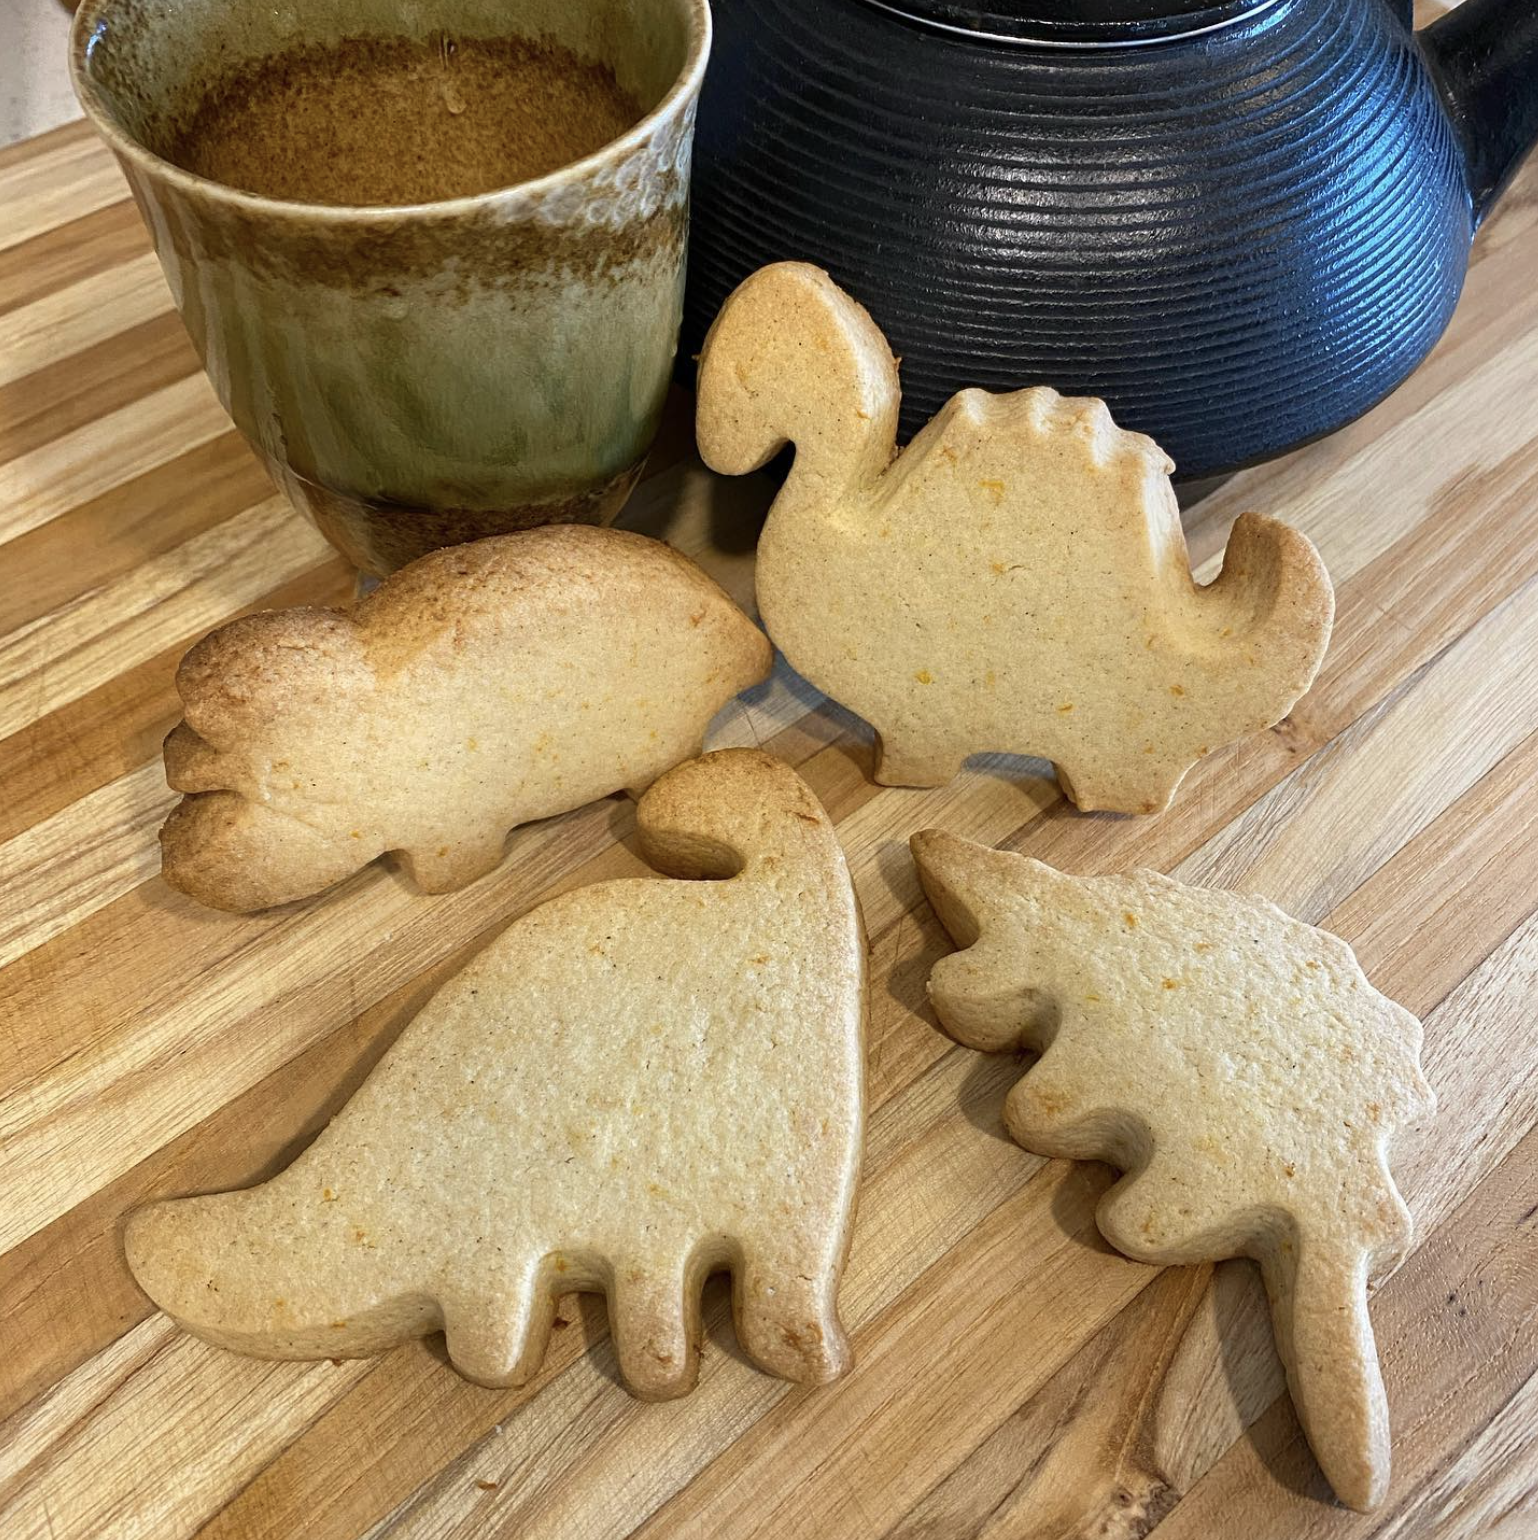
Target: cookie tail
257	1272
232	854
1324	1337
1276	596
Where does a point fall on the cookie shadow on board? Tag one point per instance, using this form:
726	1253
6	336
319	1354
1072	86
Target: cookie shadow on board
1029	772
907	981
718	1328
988	1081
739	505
1246	1347
824	717
667	504
1074	1203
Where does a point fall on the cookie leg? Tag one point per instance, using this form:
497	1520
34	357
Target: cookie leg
787	1321
1048	1114
654	1324
455	863
1091	793
909	763
1325	1341
500	1342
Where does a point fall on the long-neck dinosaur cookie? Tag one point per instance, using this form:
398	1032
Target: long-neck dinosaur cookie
1016	579
637	1083
481	687
1236	1062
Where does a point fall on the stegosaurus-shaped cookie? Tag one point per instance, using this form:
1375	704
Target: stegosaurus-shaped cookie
637	1083
1235	1062
1016	579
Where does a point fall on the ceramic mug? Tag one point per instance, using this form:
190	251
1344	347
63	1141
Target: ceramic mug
421	375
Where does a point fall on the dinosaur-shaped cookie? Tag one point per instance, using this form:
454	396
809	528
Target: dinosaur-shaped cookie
636	1084
1235	1062
481	687
1016	579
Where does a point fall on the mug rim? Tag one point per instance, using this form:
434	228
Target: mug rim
93	101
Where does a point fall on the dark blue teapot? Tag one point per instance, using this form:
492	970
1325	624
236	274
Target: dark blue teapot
1241	222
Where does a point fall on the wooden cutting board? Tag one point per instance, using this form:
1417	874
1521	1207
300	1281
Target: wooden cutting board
1014	1377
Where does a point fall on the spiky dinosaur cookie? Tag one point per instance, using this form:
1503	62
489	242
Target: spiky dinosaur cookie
637	1083
481	687
1016	579
1235	1062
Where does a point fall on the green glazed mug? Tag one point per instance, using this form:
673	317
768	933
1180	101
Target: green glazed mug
421	375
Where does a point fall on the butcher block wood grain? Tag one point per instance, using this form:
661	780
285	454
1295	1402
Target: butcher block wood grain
1014	1377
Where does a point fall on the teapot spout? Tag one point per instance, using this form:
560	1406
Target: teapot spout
1484	58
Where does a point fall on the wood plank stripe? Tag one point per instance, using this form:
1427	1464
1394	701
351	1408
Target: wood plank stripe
121	725
1045	1470
204	1439
102	540
1490	1492
1425	455
90	244
80	316
60	657
31	1436
81	860
40	145
1464	881
1306	845
71	394
44	191
68	471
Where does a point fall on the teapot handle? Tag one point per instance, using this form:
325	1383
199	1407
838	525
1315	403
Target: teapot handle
1484	58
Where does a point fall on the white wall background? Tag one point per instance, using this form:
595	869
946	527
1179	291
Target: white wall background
34	83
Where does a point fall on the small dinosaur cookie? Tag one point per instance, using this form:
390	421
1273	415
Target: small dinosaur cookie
1235	1062
1015	580
636	1084
481	687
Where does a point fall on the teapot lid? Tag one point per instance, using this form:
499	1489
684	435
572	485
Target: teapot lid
1075	23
